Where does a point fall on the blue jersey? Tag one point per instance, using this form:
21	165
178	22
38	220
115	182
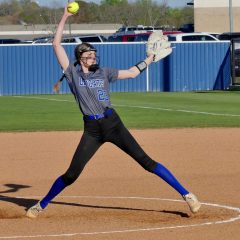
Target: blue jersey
91	90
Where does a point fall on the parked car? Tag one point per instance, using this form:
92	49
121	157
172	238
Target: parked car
188	27
183	37
229	35
144	37
84	38
41	40
10	41
126	29
129	37
215	34
26	41
72	39
135	30
136	37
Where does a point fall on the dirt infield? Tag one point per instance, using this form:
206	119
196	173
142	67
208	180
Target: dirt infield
115	198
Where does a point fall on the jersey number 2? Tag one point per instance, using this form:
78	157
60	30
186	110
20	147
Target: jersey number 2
102	95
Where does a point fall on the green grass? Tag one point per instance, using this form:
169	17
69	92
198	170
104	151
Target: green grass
137	110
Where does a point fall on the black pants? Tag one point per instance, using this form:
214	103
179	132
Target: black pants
97	132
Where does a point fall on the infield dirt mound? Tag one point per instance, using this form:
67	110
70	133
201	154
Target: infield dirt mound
206	161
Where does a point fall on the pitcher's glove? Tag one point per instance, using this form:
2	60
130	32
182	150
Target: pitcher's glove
158	45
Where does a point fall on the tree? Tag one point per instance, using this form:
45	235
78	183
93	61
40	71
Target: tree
138	12
178	17
113	2
30	12
11	8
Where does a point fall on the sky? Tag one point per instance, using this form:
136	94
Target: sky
171	3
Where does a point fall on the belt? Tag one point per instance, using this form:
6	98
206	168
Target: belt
108	112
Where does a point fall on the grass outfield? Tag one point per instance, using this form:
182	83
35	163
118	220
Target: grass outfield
137	110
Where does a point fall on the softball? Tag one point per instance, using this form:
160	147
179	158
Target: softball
73	7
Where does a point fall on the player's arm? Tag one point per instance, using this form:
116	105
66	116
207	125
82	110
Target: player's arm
58	48
135	70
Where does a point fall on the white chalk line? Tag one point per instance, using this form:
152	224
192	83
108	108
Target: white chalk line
145	107
48	99
129	230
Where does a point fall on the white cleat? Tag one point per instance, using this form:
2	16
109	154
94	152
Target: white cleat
192	202
34	211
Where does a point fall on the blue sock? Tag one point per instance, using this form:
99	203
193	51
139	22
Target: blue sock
56	188
167	176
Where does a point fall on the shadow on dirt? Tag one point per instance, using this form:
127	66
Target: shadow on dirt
28	202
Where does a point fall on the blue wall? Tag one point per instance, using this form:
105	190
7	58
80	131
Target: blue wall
33	69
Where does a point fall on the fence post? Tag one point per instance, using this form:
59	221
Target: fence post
147	79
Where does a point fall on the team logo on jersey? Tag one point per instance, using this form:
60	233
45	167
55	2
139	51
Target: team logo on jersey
91	83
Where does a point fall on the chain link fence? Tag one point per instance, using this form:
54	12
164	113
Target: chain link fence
236	61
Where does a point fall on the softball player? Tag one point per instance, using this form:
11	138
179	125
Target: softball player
89	84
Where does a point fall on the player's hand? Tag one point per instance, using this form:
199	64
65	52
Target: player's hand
151	56
66	13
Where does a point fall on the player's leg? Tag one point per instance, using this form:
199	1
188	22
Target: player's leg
87	147
124	140
128	144
85	150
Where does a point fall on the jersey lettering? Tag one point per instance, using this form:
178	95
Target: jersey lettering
81	82
92	83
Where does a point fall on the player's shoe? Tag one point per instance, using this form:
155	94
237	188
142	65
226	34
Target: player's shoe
34	211
192	202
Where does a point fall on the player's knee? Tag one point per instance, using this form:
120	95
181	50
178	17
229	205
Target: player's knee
70	178
148	164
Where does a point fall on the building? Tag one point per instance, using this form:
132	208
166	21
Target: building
216	15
